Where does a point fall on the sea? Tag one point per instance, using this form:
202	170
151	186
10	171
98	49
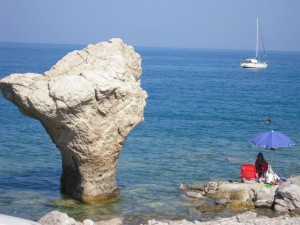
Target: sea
202	110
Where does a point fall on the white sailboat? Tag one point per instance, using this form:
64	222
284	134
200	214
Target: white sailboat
254	62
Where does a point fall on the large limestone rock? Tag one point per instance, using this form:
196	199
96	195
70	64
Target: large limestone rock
264	197
294	180
88	103
287	198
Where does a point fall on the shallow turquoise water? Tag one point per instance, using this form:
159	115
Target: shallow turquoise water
201	111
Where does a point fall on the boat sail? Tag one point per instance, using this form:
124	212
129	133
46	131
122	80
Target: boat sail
254	62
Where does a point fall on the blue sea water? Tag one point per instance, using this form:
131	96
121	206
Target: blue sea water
201	112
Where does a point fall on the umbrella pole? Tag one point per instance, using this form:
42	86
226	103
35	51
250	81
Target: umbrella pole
272	150
271	156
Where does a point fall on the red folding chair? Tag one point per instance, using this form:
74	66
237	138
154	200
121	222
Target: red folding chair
248	172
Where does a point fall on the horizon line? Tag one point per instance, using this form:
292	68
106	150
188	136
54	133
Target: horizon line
137	46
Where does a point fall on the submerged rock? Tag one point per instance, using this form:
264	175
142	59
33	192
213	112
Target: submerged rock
239	205
88	103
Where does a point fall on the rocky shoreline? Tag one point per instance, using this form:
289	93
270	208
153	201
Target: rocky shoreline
282	197
242	198
248	217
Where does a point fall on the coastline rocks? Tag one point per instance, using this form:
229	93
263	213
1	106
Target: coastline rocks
88	103
233	191
245	218
226	195
248	217
240	205
58	218
265	197
223	190
237	196
194	194
287	198
294	180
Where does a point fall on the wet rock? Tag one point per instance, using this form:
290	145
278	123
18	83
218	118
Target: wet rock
184	187
284	197
200	187
240	205
194	194
222	201
211	208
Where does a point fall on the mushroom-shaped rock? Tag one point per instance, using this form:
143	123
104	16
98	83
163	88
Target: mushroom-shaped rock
88	103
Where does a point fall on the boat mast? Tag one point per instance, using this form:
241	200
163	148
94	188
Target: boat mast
256	55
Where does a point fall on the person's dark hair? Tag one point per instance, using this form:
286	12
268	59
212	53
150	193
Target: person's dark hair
260	154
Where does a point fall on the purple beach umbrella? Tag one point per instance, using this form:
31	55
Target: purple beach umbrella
271	140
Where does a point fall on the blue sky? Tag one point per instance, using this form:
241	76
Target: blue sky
212	24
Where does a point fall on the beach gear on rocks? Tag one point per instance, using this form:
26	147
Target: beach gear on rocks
271	176
248	172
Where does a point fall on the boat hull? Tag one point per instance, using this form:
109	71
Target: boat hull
258	65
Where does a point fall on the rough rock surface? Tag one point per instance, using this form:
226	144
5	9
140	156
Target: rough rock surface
59	218
223	190
88	103
284	197
247	218
265	197
287	198
294	180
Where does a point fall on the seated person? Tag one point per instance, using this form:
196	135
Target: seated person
261	164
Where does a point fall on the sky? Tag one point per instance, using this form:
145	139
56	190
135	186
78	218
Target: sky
206	24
